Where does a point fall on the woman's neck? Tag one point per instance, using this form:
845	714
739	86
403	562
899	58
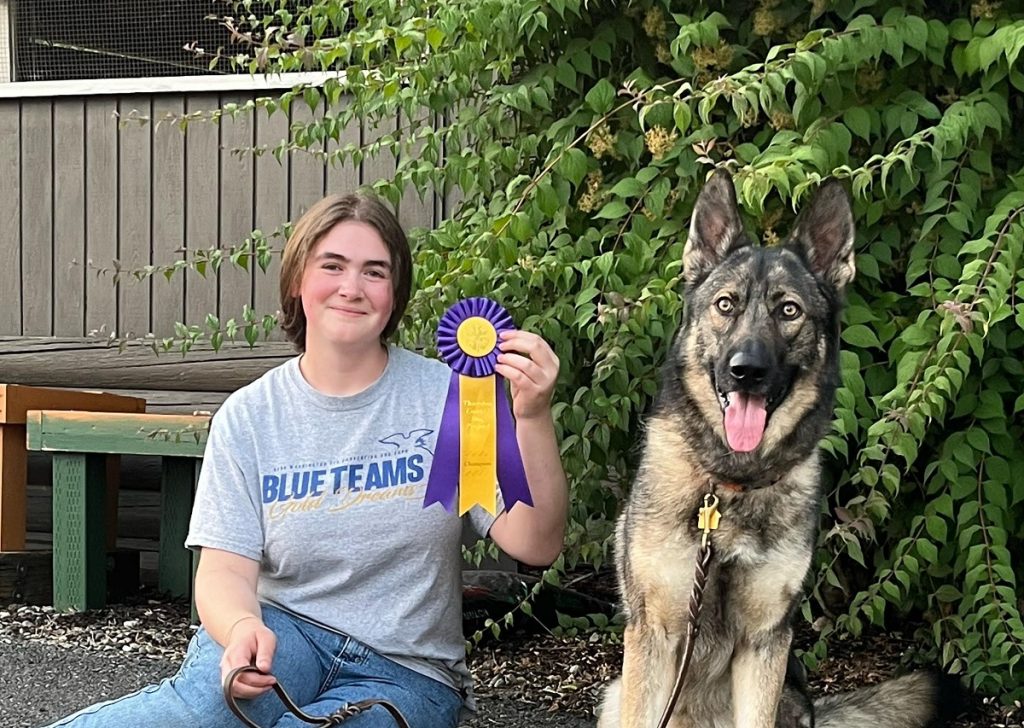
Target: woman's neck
343	373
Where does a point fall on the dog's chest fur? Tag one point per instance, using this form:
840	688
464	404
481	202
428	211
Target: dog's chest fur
762	550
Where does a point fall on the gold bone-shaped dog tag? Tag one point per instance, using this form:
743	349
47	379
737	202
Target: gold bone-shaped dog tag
708	516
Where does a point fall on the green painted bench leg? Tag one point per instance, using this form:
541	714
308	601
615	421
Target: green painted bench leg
177	489
79	539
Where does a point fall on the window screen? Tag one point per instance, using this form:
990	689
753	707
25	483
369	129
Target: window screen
95	39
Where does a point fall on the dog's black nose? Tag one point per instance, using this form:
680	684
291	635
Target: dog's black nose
748	366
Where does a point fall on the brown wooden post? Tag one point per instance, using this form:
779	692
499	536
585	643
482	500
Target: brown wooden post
13	473
15	402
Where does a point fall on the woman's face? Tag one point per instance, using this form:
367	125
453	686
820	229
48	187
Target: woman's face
346	287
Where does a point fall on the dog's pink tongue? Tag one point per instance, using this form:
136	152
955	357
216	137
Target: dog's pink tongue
744	421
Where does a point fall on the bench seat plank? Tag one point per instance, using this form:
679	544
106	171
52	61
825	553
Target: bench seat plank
125	434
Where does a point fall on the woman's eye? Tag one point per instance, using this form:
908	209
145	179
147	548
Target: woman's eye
790	311
725	305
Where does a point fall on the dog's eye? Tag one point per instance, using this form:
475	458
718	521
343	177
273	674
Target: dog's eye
790	311
724	305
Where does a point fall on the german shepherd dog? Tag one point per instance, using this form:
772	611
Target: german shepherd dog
744	400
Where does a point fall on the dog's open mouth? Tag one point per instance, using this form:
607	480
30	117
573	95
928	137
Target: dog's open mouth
746	415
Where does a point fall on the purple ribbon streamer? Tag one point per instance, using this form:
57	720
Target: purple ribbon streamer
442	486
511	473
444	472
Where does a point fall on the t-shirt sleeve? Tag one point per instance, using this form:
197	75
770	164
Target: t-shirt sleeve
481	520
227	513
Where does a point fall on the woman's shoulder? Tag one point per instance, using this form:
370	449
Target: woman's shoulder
413	369
414	362
260	391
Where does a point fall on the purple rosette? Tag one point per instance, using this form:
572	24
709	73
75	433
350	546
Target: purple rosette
442	485
448	343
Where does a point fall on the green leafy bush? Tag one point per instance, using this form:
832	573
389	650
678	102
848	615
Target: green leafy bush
577	135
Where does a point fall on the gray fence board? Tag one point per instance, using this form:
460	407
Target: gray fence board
271	206
202	174
69	219
10	219
37	218
101	182
343	178
168	213
413	210
133	212
236	213
307	170
382	165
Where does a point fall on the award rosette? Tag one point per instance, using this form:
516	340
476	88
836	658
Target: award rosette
476	445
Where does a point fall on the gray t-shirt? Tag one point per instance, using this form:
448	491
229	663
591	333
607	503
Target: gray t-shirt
327	494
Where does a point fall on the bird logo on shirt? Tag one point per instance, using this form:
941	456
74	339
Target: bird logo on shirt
420	438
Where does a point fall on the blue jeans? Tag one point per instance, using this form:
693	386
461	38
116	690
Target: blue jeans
321	671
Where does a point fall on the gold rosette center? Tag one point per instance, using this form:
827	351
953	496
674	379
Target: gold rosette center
476	336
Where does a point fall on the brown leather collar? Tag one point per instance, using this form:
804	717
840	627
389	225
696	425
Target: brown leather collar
732	487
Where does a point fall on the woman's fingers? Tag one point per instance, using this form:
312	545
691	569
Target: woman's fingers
251	644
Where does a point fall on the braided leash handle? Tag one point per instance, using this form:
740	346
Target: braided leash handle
326	721
700	581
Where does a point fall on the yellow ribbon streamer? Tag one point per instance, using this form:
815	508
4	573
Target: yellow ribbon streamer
478	469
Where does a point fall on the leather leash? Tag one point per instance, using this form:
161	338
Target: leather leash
707	520
327	721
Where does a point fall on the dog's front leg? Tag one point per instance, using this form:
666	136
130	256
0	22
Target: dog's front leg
648	669
758	672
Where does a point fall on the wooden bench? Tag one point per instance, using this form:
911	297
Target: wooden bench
15	402
80	442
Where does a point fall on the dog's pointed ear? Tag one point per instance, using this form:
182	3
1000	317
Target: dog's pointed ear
824	234
715	227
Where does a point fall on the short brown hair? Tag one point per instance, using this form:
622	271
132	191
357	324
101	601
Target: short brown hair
310	229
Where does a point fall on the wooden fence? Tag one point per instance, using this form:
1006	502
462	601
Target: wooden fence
80	189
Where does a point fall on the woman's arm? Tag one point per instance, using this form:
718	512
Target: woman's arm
225	590
533	535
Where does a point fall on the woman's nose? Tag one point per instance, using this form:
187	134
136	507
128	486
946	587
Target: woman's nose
350	284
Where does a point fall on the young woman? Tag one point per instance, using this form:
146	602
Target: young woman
318	561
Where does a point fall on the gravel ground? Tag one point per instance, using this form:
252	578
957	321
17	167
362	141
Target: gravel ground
52	664
40	683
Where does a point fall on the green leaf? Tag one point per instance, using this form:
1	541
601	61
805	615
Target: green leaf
927	550
682	116
547	199
858	121
600	97
628	187
613	210
586	296
936	527
565	74
435	37
978	440
960	29
862	336
521	227
573	165
915	32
